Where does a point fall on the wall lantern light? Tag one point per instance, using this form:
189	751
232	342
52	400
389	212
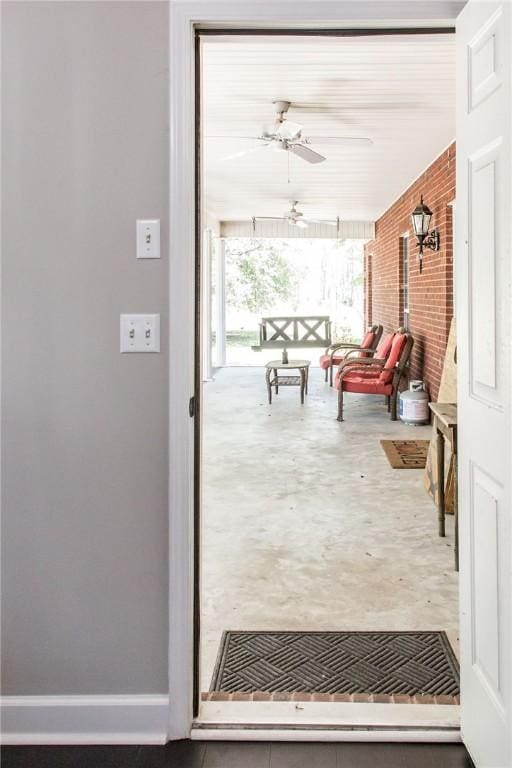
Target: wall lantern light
421	222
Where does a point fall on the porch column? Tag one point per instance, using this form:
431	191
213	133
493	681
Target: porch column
220	314
206	310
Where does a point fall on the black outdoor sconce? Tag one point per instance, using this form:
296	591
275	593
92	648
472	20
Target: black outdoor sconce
421	222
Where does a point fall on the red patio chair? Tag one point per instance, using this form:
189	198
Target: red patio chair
381	353
376	376
366	348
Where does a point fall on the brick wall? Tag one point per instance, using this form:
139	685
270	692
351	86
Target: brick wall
430	293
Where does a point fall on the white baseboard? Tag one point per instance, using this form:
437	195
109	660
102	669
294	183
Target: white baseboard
120	719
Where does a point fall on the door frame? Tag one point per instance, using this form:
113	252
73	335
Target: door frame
185	17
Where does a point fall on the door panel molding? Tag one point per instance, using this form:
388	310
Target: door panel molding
483	173
485	61
485	511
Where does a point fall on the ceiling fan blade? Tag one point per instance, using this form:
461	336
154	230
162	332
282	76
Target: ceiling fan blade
340	140
288	130
306	153
323	221
244	152
268	218
241	138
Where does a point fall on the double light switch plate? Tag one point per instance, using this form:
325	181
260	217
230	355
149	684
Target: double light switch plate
140	333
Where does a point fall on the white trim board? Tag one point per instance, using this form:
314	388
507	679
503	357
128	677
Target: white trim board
249	733
327	715
325	721
140	719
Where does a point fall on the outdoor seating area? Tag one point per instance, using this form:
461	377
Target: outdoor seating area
373	367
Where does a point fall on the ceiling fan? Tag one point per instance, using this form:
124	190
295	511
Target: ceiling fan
287	135
295	218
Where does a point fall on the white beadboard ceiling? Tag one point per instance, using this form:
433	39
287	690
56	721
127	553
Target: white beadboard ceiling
345	230
397	90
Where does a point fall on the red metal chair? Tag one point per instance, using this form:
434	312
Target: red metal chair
366	348
376	376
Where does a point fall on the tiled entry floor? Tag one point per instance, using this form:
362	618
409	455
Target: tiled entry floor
187	754
306	526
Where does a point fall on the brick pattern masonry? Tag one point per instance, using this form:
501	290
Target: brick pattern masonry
430	293
355	698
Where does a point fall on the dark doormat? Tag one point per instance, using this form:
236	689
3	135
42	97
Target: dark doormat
406	454
336	666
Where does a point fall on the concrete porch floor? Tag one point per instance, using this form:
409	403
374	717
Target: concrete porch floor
304	523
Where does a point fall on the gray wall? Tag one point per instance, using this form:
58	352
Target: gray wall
84	428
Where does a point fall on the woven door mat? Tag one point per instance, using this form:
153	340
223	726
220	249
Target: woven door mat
384	667
406	454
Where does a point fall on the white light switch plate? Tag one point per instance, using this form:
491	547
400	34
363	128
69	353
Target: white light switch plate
140	333
148	238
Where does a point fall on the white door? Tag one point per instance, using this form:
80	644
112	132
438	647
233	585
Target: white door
484	211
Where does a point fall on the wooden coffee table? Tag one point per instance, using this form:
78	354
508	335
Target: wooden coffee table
275	379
